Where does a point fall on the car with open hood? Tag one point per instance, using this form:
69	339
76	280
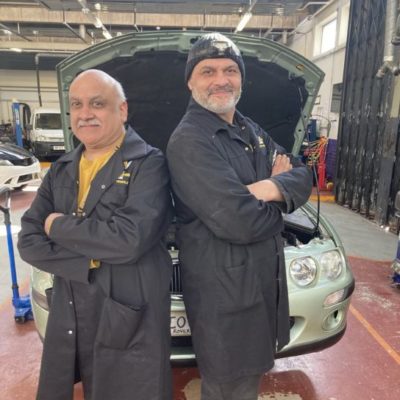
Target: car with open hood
278	93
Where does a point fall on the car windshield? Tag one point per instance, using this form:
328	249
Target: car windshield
48	121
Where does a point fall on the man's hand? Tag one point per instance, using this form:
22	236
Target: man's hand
281	164
49	220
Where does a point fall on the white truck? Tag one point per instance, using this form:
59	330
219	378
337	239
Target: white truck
45	135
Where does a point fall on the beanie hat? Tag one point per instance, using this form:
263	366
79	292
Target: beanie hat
213	45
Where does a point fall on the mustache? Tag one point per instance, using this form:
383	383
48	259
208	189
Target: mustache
89	122
221	89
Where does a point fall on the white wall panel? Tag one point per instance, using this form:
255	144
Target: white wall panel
22	86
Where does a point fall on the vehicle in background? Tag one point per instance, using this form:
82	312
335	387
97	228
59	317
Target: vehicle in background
44	134
18	167
278	93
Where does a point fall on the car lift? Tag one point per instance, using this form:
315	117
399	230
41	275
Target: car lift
22	304
21	114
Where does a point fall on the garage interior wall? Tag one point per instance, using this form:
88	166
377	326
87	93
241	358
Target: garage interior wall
367	175
307	40
21	86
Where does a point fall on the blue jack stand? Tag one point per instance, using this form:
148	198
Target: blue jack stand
22	304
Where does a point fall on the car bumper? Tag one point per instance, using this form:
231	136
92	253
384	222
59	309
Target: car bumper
329	330
17	176
328	325
313	328
48	148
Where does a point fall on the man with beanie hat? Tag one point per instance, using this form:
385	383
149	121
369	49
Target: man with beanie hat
231	183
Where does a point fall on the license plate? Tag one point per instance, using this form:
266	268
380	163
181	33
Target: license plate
179	324
58	147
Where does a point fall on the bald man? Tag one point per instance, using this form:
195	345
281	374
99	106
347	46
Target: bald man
97	224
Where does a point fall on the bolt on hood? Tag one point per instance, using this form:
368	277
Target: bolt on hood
278	93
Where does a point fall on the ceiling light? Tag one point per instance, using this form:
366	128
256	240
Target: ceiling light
243	21
158	28
119	33
16	49
97	22
107	34
35	32
97	6
7	32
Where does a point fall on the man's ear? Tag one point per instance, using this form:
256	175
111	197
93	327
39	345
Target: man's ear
123	107
190	86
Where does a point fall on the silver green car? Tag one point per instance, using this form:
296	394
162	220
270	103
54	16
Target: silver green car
278	93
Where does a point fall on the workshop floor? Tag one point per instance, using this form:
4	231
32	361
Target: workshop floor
364	365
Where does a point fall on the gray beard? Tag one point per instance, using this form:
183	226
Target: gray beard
215	107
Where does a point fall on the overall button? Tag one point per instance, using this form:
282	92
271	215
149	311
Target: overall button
70	332
103	186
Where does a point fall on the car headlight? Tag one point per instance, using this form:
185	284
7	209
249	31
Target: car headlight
41	138
6	163
331	264
303	270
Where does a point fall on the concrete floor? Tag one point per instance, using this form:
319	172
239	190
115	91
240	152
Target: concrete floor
364	365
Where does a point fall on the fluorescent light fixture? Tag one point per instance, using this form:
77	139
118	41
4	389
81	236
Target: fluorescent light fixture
107	34
97	22
7	32
244	21
16	49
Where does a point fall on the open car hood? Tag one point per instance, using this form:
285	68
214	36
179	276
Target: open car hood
11	152
278	93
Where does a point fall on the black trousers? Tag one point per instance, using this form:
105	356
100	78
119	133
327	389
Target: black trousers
245	388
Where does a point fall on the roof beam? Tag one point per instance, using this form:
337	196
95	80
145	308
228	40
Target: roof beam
41	15
14	32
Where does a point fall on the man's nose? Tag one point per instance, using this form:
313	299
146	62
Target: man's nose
86	112
221	79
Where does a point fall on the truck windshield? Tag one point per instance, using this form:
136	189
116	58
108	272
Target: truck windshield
48	121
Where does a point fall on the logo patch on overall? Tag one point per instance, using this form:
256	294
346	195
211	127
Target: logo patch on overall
123	179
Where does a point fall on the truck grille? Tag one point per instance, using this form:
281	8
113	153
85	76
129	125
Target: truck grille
176	281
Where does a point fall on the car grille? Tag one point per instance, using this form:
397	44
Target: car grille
25	178
176	281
